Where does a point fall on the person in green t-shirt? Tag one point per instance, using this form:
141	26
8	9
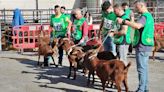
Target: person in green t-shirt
108	24
122	35
61	26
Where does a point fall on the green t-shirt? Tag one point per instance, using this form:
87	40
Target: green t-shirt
109	22
68	16
59	25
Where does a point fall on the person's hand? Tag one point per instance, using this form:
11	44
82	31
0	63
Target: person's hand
68	34
81	41
111	34
119	20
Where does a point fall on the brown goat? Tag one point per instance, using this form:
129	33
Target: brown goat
44	48
158	44
90	64
114	70
75	54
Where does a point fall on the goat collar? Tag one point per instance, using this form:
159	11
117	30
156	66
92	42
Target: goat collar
93	56
70	49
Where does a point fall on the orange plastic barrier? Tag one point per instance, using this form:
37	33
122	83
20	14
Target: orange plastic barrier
26	36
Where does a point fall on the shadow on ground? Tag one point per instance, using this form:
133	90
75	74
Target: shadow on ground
56	75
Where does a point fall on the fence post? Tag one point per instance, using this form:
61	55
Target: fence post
155	15
4	14
0	37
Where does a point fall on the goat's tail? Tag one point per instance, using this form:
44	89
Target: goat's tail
127	67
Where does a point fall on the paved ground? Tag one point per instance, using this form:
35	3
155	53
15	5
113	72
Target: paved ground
18	73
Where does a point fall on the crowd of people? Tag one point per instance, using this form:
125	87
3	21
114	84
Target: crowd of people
116	32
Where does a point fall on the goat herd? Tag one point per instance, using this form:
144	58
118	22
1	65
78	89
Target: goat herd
91	59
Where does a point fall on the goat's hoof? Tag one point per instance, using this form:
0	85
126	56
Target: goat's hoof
74	78
68	76
56	66
88	84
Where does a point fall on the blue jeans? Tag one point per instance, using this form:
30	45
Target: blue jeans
109	45
142	68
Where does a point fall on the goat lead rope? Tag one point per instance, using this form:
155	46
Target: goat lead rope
99	47
102	42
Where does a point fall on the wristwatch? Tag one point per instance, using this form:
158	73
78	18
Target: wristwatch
123	22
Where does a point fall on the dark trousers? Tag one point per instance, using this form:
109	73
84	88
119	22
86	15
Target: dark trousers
60	51
76	41
130	48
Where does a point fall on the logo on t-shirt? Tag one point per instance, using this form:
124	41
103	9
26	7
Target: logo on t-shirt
108	24
57	26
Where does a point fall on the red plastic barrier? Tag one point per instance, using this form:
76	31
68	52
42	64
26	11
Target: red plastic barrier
26	36
159	30
92	32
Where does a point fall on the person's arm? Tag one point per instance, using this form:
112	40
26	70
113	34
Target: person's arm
51	23
69	27
84	30
90	20
135	25
123	31
101	26
132	16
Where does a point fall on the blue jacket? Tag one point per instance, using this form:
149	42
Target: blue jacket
17	18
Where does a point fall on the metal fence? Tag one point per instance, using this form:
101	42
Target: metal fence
43	15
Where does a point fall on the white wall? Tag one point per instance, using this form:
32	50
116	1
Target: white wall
12	4
43	4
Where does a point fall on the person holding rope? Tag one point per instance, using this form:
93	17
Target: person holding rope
130	14
61	26
122	36
143	41
80	28
107	25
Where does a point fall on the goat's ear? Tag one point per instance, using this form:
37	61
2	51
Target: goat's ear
72	43
75	52
83	54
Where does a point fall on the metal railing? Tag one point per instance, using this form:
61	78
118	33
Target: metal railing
31	16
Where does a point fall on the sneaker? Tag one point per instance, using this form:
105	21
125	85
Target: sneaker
146	91
140	91
59	64
129	53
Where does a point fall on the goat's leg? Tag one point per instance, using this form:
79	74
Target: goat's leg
38	59
70	67
93	75
89	75
75	69
103	84
111	85
153	54
118	83
126	84
85	71
54	61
